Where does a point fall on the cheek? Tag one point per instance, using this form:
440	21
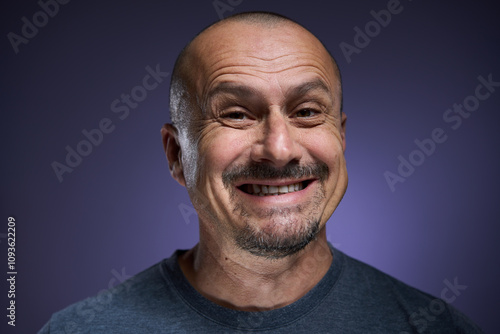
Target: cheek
218	149
325	146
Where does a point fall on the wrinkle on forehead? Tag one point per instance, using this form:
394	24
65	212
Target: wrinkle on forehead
275	65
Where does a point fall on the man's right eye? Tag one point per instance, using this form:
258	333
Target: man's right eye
238	119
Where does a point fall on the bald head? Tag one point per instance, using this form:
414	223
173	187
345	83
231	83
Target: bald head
185	82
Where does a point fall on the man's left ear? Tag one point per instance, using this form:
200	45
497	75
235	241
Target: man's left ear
342	128
173	152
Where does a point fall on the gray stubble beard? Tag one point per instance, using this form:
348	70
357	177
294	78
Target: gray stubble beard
266	242
272	244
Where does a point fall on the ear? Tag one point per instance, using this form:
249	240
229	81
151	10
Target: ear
342	128
173	152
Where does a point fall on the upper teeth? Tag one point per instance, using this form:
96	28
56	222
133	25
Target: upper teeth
262	190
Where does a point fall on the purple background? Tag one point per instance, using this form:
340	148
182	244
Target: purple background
120	211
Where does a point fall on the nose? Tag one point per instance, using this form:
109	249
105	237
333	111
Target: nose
277	144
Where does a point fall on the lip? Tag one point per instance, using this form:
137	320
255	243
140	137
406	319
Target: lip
274	182
288	199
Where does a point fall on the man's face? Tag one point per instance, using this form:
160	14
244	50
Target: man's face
266	147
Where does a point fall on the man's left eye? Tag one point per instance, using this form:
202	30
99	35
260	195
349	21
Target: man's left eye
236	115
305	113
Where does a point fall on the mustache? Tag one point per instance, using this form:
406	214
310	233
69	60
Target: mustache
265	171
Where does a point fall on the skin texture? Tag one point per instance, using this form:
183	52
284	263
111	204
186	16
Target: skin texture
259	95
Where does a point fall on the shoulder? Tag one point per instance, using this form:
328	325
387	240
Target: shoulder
131	302
388	297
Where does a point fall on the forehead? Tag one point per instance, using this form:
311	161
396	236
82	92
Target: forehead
267	41
250	51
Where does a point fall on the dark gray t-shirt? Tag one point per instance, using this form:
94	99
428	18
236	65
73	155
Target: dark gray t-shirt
351	298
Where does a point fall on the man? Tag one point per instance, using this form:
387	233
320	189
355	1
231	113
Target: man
258	140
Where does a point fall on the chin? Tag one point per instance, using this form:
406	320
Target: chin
278	239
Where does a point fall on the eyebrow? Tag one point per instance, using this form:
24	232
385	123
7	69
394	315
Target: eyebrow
309	86
247	92
233	89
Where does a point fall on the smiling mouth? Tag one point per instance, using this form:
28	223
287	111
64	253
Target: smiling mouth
271	190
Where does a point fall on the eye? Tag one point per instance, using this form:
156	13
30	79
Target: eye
235	115
238	119
305	113
307	116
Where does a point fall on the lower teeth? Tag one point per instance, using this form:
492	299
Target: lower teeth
273	194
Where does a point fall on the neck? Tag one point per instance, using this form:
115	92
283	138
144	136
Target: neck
237	279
